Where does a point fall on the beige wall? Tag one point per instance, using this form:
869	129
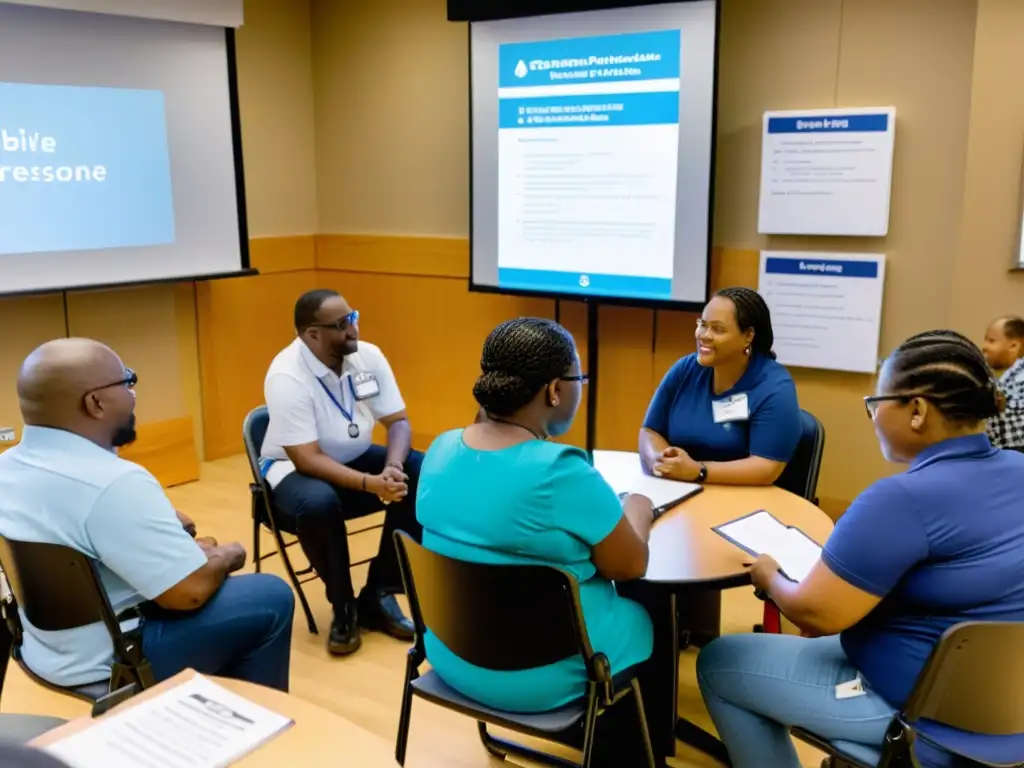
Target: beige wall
991	216
391	99
275	92
392	121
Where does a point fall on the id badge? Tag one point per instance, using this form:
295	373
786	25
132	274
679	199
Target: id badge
734	408
365	386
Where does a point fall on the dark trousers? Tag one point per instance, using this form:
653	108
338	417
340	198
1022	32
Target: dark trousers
317	512
243	632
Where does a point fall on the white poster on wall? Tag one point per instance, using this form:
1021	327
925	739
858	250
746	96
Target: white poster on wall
826	308
827	172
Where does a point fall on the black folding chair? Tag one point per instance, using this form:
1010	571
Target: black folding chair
973	681
254	429
59	588
801	473
506	617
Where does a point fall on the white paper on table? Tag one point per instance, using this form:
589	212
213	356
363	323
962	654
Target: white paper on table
624	473
197	724
761	533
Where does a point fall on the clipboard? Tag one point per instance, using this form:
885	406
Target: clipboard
761	533
623	471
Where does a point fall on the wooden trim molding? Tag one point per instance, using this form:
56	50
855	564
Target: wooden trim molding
165	448
291	253
390	254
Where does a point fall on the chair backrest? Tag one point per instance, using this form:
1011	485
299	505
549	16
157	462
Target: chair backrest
801	474
500	617
57	587
254	429
974	680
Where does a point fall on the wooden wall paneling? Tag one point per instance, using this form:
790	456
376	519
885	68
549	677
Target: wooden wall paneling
626	371
24	325
432	330
167	449
243	323
389	254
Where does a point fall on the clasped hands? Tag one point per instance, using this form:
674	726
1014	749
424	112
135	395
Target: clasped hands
390	485
676	464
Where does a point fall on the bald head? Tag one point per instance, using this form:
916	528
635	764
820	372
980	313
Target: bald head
55	377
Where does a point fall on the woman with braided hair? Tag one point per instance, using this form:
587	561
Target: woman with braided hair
728	413
499	492
915	554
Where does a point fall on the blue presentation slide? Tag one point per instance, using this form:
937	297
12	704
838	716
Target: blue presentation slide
83	168
588	143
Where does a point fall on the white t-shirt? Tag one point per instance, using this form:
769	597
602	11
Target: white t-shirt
302	411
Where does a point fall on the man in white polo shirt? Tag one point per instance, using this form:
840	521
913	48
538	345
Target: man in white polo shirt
325	391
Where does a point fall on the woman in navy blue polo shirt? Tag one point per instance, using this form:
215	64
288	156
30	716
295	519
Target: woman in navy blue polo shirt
914	555
727	414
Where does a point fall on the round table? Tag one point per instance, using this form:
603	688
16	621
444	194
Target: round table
685	550
689	559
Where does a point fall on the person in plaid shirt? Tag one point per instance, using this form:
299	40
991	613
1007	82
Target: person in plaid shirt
1004	350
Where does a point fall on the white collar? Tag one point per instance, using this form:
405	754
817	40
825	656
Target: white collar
316	367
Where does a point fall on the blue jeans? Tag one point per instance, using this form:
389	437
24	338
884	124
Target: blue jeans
243	632
757	686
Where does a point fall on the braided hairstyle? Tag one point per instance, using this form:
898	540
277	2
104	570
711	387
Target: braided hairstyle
950	371
520	357
752	313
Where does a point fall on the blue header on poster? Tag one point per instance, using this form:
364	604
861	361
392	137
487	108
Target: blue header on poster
608	58
821	267
829	124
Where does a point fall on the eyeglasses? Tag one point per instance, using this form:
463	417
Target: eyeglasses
131	378
872	402
342	323
583	378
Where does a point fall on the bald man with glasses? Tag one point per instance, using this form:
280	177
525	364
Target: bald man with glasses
65	484
325	392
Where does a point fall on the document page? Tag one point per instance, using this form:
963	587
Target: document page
624	473
762	534
197	724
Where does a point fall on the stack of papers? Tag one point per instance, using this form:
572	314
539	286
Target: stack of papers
624	473
761	533
197	724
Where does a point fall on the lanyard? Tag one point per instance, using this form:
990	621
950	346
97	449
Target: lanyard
334	400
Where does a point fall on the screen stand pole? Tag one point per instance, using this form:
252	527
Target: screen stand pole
592	310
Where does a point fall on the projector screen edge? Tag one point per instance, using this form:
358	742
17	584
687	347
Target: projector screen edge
195	278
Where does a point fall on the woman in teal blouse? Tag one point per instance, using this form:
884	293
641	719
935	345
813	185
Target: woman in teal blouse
499	492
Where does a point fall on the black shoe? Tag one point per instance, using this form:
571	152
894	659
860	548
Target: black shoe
381	612
344	638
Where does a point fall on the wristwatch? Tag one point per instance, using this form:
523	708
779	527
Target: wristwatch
703	474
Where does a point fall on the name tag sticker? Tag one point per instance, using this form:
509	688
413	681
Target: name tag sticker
735	408
366	386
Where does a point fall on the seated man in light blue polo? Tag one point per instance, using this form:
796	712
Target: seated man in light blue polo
64	484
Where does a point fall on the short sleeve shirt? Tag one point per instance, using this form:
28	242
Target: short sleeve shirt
941	543
683	408
59	488
535	503
310	403
1006	430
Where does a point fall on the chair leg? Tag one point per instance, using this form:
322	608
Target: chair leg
589	729
283	552
501	749
256	562
641	716
405	716
489	742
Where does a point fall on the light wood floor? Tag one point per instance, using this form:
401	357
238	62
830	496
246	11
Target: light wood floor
366	687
